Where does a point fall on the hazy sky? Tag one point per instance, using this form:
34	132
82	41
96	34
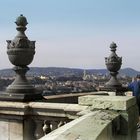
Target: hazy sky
74	33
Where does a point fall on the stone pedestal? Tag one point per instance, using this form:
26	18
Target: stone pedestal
125	128
15	124
11	129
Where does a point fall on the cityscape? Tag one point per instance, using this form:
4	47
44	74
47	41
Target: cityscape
53	81
69	70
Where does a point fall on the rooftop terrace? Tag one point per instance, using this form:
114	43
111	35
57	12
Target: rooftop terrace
26	115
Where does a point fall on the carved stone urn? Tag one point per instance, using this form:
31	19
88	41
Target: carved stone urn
113	64
21	53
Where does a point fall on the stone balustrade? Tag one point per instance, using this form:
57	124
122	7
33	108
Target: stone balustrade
106	118
25	121
93	118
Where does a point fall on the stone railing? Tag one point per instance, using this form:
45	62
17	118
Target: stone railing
32	120
106	118
94	117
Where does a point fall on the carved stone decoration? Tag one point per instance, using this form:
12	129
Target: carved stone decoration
113	64
20	52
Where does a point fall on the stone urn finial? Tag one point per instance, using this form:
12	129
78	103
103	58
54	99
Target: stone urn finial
113	64
21	52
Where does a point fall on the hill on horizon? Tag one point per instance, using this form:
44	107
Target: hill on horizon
59	71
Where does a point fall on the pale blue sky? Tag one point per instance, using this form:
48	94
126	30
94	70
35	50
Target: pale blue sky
74	33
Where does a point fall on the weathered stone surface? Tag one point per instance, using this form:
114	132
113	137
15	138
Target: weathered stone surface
93	126
4	129
40	108
108	102
11	130
17	119
16	130
13	108
56	109
128	120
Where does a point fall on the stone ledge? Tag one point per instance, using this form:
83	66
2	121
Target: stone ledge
108	102
56	109
40	108
13	108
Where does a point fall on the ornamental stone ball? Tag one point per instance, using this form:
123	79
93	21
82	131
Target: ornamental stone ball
21	21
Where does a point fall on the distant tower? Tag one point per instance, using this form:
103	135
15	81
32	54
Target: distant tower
84	75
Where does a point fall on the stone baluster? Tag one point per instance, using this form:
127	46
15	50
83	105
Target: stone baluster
47	127
54	125
61	123
38	133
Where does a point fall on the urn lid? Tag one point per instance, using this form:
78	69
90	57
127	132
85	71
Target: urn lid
21	21
21	40
113	46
